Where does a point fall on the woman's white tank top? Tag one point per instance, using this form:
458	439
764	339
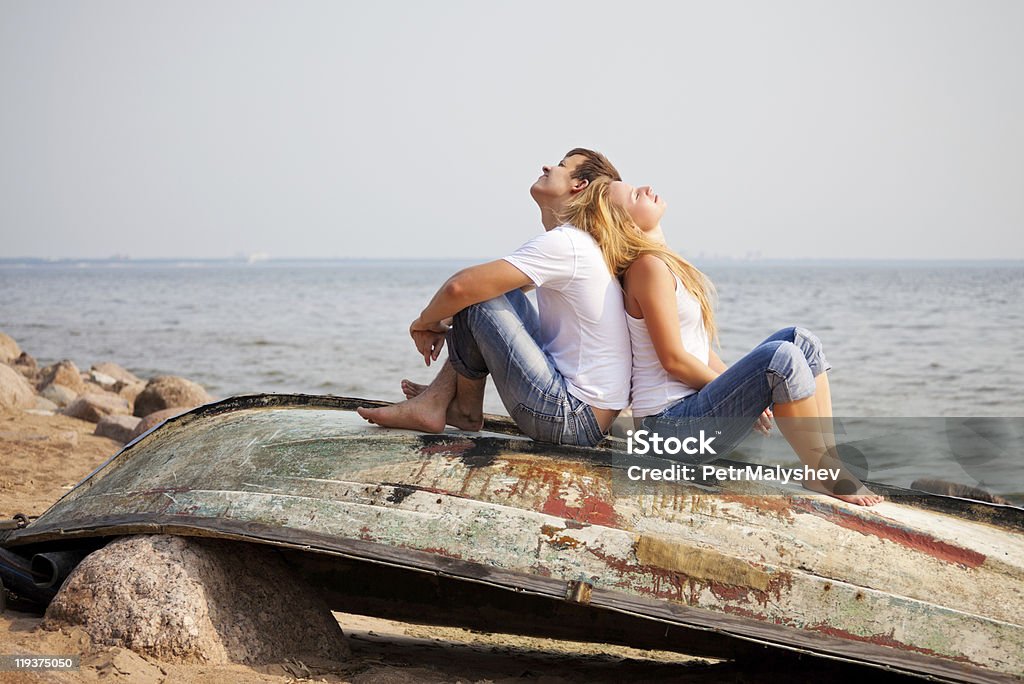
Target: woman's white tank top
653	389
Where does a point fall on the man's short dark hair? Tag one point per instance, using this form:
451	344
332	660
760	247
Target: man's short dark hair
594	165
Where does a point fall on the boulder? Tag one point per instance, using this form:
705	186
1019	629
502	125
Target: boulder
91	386
44	404
169	391
63	373
154	419
119	428
105	381
112	370
94	405
59	394
183	599
27	366
129	390
9	349
15	392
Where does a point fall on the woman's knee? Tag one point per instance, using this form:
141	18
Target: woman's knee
789	374
812	348
808	343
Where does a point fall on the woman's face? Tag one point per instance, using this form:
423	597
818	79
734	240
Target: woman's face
642	205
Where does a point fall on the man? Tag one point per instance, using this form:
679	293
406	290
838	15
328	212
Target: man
562	370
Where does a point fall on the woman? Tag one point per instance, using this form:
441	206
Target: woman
679	384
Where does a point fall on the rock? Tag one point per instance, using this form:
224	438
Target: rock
129	390
169	391
94	405
44	404
105	381
119	428
63	373
154	419
59	394
9	349
27	366
15	392
112	370
183	599
91	386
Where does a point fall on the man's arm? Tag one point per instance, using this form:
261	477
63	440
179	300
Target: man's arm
470	286
467	287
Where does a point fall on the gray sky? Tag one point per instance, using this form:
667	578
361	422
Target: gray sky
414	129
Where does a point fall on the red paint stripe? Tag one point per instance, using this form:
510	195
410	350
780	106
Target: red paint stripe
876	527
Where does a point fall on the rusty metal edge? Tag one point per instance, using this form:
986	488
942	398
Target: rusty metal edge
738	627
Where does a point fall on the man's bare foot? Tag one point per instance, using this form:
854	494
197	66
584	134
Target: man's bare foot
455	416
414	414
412	389
463	420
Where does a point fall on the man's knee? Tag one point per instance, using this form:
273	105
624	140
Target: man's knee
475	311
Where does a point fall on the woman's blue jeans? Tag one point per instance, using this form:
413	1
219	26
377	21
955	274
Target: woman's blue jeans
779	370
499	337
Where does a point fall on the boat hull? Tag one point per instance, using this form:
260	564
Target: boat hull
898	586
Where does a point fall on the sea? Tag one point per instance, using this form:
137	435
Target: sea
929	350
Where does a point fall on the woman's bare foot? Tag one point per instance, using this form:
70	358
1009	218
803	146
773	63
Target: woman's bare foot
861	496
869	499
413	414
412	389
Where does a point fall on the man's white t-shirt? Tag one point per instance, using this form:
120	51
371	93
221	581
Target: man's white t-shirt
582	319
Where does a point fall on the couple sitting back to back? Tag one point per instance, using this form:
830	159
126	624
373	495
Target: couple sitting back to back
564	370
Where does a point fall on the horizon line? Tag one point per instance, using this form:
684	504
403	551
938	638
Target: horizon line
261	259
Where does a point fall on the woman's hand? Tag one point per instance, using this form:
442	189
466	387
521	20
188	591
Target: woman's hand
428	338
764	423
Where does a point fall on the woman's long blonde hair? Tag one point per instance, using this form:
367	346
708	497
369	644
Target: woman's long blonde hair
622	242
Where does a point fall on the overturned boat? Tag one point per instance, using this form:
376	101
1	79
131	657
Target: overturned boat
493	531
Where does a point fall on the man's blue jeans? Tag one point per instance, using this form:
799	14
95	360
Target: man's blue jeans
779	370
499	337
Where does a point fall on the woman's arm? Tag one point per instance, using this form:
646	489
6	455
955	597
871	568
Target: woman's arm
650	283
716	363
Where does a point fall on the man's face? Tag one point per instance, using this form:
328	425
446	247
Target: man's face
556	184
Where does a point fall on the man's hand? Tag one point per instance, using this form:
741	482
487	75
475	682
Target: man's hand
764	423
428	338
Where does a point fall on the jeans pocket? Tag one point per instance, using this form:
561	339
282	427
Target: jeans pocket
539	426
